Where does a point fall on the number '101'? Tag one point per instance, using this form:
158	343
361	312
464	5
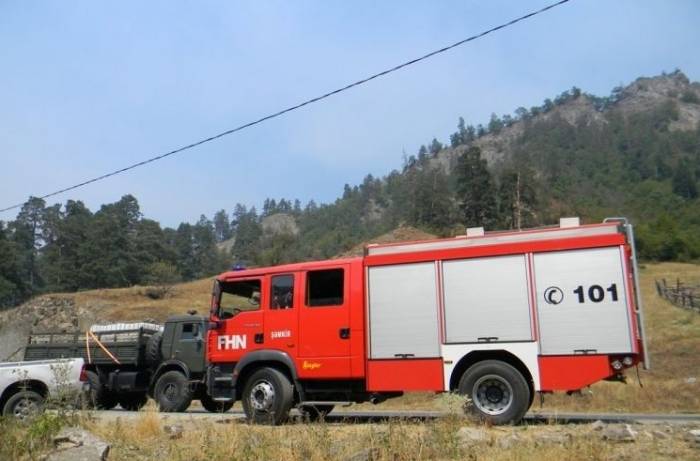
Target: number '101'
596	293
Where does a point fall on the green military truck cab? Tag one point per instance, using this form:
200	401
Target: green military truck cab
127	362
184	341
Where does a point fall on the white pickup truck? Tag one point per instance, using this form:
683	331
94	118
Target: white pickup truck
25	386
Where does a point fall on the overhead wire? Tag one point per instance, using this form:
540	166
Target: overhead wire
297	106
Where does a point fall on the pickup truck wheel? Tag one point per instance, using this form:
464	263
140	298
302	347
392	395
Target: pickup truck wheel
133	401
315	412
267	397
172	392
499	393
213	406
23	405
99	397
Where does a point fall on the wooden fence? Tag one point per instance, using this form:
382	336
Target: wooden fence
680	294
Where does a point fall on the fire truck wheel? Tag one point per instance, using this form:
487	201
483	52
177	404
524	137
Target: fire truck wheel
499	393
99	397
267	397
172	392
212	406
315	412
23	405
133	401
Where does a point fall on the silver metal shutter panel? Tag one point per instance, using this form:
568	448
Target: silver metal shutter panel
486	297
403	311
572	325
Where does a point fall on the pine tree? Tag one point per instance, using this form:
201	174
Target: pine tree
69	267
459	137
684	184
206	257
248	232
475	190
27	233
469	134
495	124
185	253
13	288
435	147
517	198
222	225
431	201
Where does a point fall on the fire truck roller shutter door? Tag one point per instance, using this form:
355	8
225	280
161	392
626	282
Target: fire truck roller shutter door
403	311
582	302
487	299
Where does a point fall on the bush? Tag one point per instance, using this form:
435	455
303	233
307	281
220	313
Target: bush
162	276
162	273
690	97
157	292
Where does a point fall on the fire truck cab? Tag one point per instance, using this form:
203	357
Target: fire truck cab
495	316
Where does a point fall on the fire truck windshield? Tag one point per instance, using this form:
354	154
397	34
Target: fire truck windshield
237	297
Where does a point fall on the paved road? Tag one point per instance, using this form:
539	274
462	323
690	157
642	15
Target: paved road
347	416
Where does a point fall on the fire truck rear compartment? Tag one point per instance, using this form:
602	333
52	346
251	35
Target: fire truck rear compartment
568	303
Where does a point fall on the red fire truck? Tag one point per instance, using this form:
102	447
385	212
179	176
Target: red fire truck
495	316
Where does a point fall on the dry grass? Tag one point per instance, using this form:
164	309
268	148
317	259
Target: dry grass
393	440
132	304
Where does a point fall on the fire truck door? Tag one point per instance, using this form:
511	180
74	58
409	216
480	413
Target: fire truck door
281	313
324	324
240	319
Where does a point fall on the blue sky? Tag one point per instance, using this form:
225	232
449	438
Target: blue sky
88	87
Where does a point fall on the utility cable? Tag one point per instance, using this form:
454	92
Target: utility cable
297	106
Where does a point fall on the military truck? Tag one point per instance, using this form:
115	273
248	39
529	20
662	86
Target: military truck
126	363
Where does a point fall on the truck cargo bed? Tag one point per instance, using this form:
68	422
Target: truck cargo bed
128	346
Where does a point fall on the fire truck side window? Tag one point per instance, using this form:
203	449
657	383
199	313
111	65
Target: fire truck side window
237	297
324	288
282	295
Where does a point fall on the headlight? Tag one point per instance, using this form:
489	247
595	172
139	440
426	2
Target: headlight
627	361
617	365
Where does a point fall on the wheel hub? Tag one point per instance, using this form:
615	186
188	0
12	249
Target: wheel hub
492	394
170	392
25	408
262	396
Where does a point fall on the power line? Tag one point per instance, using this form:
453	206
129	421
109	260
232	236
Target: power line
298	106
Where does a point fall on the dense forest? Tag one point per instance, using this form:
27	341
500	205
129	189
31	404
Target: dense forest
575	155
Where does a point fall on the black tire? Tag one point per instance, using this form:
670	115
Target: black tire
132	401
172	392
499	393
315	412
99	397
23	405
212	406
153	351
267	397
